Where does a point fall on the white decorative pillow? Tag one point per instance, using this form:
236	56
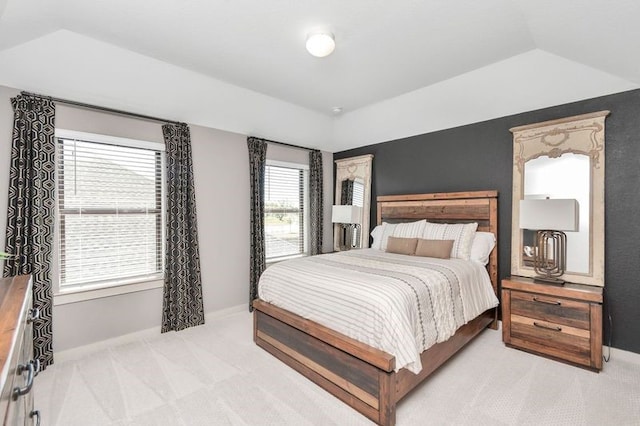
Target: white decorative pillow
387	231
410	229
461	233
483	244
401	230
376	234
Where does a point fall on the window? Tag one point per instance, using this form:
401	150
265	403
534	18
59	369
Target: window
110	210
285	223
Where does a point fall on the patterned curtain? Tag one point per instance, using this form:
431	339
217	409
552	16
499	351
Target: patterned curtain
346	195
315	202
31	209
257	162
182	305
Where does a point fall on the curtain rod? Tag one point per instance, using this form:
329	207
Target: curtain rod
286	144
134	114
100	108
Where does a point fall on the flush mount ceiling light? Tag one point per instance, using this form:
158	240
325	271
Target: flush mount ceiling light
320	44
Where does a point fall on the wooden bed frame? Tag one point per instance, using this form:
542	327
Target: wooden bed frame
361	376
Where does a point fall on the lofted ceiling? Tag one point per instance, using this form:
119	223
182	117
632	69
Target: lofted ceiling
387	52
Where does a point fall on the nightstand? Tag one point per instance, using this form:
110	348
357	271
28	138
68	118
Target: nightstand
563	323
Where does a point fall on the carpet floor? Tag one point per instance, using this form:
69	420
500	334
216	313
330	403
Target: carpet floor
215	375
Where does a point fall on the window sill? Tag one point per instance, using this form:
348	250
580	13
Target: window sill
81	294
281	259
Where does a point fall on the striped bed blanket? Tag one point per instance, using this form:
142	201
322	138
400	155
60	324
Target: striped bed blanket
396	303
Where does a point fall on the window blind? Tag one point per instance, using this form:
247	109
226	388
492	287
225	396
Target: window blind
358	193
284	211
110	212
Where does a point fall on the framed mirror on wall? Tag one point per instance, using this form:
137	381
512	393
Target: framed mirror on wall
353	188
561	160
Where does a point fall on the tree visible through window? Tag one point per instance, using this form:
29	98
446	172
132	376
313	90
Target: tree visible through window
110	213
284	211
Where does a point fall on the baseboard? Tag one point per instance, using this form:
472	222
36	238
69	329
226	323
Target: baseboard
82	351
210	316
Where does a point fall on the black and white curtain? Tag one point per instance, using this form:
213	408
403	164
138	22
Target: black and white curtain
315	202
182	304
257	164
31	209
346	193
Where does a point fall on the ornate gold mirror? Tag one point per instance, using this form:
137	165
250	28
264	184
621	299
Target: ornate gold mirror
562	159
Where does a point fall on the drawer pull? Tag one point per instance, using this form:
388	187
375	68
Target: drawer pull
36	414
30	368
547	327
34	315
548	302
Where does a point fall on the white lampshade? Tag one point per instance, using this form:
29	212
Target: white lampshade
320	44
346	214
549	214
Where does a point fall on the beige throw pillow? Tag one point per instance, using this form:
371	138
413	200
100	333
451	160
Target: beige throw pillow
402	245
462	235
440	249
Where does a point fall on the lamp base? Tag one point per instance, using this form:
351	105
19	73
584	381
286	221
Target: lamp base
549	280
550	256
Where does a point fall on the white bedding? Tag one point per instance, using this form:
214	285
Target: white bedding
397	303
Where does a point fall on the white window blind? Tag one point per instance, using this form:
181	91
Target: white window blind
110	213
358	200
284	211
358	193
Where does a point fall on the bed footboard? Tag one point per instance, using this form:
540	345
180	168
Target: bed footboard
363	386
361	376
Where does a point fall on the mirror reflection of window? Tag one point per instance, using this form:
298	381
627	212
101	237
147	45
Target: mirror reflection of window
357	200
346	194
353	195
567	176
358	193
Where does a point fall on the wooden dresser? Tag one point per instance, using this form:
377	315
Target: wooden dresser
18	368
560	322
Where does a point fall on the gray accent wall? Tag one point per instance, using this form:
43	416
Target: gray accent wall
479	156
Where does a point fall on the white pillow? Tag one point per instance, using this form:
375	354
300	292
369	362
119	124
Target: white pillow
410	229
461	233
387	231
483	244
400	230
376	234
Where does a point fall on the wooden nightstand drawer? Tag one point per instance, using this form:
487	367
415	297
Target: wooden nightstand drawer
550	309
564	323
552	339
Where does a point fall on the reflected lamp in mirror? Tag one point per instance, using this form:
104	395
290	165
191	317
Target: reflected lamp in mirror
349	217
550	218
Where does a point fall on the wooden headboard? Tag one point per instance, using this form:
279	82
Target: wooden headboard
447	207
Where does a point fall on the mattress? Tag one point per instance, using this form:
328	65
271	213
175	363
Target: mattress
396	303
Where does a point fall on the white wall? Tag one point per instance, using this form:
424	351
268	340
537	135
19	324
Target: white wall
221	165
6	128
525	82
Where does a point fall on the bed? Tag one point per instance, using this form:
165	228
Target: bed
367	378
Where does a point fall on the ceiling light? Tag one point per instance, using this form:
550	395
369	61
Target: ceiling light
320	44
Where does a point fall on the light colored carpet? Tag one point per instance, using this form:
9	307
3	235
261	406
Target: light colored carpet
215	375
